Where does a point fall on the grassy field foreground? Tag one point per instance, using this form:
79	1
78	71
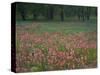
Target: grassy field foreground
43	46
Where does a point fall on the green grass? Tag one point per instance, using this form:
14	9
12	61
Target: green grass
62	27
92	55
61	48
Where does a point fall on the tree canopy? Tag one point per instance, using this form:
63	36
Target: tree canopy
49	12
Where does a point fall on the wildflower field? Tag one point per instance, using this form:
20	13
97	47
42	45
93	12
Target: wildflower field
47	46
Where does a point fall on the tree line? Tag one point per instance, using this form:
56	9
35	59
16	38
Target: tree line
35	11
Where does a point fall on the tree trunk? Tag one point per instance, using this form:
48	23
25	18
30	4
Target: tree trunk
34	16
50	13
23	15
62	14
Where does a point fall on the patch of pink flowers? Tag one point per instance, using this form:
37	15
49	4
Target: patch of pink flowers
43	51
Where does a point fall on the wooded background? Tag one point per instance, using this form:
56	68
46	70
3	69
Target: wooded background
51	12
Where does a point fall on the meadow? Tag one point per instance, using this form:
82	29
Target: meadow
51	45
